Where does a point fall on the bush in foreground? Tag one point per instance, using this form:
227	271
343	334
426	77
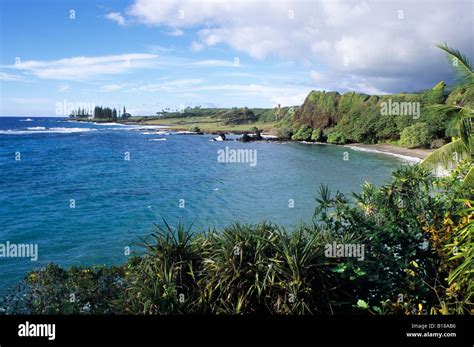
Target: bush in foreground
417	259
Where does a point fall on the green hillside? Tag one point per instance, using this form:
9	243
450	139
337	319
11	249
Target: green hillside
354	117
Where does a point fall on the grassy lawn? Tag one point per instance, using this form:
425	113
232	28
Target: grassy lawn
208	124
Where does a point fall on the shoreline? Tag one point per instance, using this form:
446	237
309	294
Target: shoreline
413	155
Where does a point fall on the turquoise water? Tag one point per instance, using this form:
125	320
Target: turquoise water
118	201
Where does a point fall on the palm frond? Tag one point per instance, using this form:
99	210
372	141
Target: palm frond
446	155
465	131
446	108
469	178
461	64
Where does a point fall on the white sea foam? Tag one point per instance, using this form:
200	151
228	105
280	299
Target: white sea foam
163	139
144	127
121	129
26	120
315	143
123	125
155	133
401	156
42	130
71	130
131	127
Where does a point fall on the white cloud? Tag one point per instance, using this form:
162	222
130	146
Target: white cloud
10	77
30	101
315	76
289	100
176	86
157	49
197	46
116	17
175	32
113	87
284	95
214	63
378	41
83	68
64	87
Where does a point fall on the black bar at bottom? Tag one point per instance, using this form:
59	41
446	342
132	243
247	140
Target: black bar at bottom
350	330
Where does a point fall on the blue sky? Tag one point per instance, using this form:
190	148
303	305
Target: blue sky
149	55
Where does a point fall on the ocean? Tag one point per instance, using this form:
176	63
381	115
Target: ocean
82	192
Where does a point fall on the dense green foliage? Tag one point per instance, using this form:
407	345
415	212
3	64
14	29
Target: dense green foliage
353	117
416	230
100	114
317	135
416	135
284	132
195	129
304	133
371	119
460	110
336	137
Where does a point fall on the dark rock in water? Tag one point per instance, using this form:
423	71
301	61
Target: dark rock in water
249	138
246	138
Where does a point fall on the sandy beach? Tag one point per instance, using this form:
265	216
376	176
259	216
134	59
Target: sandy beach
415	154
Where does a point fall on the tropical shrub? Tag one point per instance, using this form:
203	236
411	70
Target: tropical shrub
317	135
284	132
163	282
336	137
53	290
303	134
417	135
459	108
416	232
195	129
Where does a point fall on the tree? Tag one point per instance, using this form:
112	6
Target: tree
451	153
416	135
336	137
284	132
303	134
317	135
97	112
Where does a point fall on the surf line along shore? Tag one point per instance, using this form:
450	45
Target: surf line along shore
410	154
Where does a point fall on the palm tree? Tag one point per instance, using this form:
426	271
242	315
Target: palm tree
462	147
